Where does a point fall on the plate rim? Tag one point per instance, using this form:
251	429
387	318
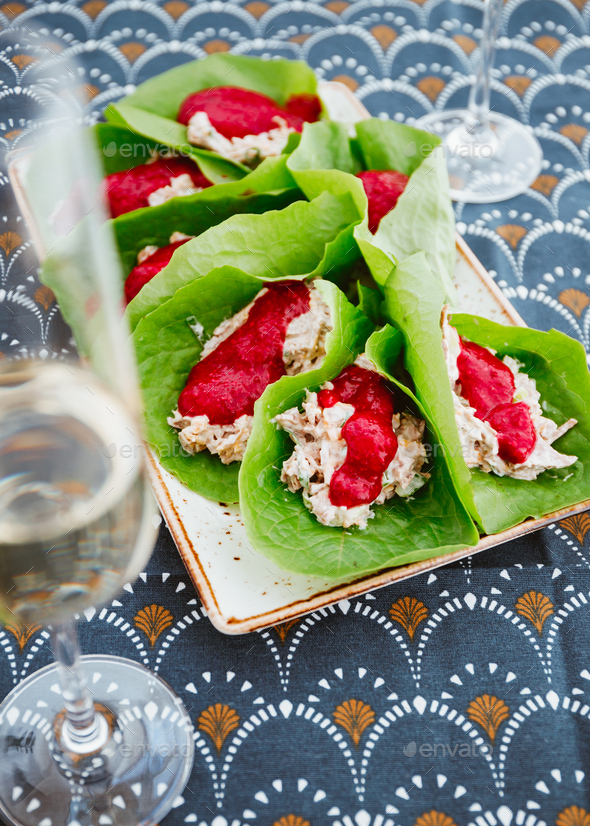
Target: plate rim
343	591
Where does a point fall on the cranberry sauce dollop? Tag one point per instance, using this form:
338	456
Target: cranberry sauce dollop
236	112
129	189
144	272
382	189
227	382
306	106
488	385
516	432
485	380
369	435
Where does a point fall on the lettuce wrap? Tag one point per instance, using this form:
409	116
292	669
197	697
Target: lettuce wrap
422	220
193	215
166	349
303	239
121	149
152	109
268	187
431	523
554	360
54	200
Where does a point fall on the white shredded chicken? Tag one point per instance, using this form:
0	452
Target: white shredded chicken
145	253
479	441
320	451
201	132
304	350
151	248
228	441
305	341
178	187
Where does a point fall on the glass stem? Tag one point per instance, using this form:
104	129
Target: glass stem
81	720
479	97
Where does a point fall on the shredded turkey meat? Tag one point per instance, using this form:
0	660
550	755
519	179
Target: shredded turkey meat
303	350
178	187
152	248
228	441
201	132
479	441
320	450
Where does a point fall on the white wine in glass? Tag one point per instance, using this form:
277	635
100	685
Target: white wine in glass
74	502
490	157
96	740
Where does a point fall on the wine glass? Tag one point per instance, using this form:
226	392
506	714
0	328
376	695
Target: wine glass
96	739
490	157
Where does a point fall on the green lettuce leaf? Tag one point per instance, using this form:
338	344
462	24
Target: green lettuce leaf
327	159
558	365
152	109
194	214
324	160
277	522
48	193
555	361
269	187
385	144
213	166
120	148
304	239
167	348
371	303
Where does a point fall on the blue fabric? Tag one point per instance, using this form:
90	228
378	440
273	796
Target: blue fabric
357	715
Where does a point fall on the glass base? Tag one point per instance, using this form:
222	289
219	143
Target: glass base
486	163
132	781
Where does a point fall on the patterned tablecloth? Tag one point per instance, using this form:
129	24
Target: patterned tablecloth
373	712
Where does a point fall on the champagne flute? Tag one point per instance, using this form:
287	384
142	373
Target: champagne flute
490	157
77	522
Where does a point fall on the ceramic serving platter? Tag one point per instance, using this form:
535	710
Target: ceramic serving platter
241	589
244	591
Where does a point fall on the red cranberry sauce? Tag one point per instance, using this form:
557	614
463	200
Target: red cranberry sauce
306	106
129	190
369	435
236	112
488	385
227	382
516	432
383	189
485	380
149	267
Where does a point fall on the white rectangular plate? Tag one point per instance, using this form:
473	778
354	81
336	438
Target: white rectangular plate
241	589
244	591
